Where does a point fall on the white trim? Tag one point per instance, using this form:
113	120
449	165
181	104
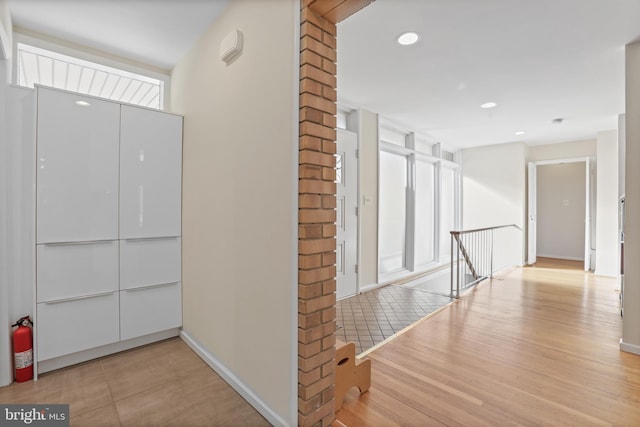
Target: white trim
396	127
293	316
371	287
245	391
629	348
5	44
613	276
568	258
390	147
560	161
589	206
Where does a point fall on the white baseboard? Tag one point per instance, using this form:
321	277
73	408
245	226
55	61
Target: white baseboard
233	381
629	348
606	274
82	356
371	287
568	258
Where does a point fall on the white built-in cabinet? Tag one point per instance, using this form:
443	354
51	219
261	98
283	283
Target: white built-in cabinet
108	223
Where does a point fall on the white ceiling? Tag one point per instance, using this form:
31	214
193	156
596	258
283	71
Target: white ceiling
538	59
154	32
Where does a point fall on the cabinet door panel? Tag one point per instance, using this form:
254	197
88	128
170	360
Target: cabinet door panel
144	311
72	326
150	173
77	168
71	270
145	262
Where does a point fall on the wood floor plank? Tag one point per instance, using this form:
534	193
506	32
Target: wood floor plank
536	346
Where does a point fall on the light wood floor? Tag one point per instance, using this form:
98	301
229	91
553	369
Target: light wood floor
538	346
162	384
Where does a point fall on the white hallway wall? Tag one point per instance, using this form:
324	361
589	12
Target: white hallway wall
240	200
631	322
493	192
607	205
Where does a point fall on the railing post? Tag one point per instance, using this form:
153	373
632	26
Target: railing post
451	258
491	264
458	270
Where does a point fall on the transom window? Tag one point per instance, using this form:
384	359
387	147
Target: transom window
44	67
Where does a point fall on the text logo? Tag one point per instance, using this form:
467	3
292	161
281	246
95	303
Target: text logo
34	415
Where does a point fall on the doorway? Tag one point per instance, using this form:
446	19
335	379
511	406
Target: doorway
559	211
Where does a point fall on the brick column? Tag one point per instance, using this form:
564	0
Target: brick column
317	216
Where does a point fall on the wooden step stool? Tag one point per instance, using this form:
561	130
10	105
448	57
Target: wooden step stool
349	372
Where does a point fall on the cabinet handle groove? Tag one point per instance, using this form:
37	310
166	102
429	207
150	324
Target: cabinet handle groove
161	285
60	301
91	242
149	239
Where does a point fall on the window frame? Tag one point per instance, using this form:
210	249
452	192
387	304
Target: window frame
91	55
413	156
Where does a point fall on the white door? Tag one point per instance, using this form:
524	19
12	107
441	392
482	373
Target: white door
531	223
346	214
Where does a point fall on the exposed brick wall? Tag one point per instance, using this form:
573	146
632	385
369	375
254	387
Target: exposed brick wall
317	216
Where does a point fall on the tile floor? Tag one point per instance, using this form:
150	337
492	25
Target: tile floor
161	384
369	318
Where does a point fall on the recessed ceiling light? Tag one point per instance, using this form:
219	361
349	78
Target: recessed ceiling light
83	103
408	38
488	105
520	132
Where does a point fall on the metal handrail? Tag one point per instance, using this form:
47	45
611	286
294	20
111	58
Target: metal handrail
474	256
485	229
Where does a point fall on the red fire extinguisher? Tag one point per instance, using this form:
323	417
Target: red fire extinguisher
23	349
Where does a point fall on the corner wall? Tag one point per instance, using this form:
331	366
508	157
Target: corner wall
631	322
6	374
240	202
494	190
607	263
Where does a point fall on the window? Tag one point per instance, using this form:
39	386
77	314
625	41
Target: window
447	211
48	68
393	212
425	213
417	204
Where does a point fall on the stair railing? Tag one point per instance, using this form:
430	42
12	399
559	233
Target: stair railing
472	257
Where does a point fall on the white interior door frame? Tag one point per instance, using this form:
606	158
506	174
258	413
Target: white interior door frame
532	211
532	199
